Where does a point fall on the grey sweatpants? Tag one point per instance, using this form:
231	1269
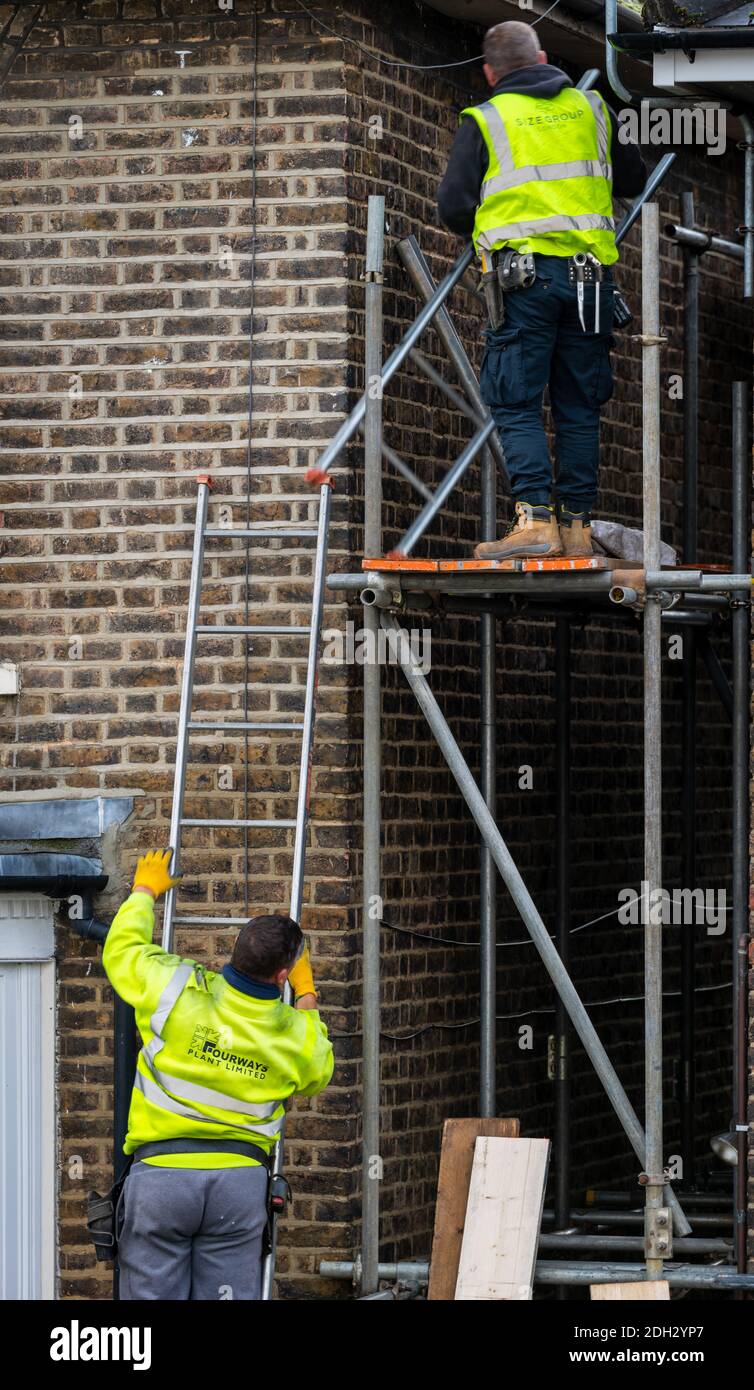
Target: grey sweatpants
192	1233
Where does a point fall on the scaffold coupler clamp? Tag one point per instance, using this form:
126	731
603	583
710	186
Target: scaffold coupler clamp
649	339
654	1179
658	1230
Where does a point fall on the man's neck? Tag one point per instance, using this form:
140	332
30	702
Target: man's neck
246	984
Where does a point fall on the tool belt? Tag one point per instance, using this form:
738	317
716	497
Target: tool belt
503	271
507	270
103	1211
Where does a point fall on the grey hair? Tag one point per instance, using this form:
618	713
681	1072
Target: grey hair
509	46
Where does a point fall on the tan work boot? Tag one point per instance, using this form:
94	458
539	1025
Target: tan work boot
575	534
534	533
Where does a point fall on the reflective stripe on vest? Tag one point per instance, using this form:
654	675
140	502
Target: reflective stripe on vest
600	115
523	151
162	1088
549	224
156	1096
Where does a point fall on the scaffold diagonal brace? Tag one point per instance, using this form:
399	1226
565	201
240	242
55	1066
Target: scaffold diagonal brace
526	907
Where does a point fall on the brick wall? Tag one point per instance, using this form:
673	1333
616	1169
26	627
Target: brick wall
125	261
126	255
431	1058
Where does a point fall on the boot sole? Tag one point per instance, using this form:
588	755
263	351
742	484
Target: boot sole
523	552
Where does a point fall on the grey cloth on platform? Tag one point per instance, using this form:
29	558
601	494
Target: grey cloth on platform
627	542
192	1233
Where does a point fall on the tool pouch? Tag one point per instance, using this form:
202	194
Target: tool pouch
515	270
502	272
102	1218
278	1196
589	272
622	315
493	298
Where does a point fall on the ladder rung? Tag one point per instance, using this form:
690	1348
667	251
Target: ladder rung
266	629
263	533
209	724
211	921
258	824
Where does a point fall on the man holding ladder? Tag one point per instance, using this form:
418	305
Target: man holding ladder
222	1054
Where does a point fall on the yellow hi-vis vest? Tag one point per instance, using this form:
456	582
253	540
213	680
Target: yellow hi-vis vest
216	1063
548	186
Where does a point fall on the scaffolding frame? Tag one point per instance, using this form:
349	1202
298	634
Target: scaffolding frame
481	587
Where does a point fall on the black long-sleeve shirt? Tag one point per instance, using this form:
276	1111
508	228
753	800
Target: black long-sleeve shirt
459	193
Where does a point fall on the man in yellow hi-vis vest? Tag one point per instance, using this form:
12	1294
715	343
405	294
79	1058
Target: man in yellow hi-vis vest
222	1053
531	177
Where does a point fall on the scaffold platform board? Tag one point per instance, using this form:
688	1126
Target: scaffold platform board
585	576
561	565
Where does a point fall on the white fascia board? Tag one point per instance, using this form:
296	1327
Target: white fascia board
720	66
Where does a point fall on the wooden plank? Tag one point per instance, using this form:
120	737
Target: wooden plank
503	1217
456	1159
645	1288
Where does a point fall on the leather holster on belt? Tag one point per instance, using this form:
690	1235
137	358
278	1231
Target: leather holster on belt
503	271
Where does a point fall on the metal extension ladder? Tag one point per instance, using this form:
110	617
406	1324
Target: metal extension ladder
194	630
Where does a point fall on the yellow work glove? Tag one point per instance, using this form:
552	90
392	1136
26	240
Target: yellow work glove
153	872
300	977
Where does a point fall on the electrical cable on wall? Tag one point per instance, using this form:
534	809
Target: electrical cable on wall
531	1013
247	522
503	945
411	67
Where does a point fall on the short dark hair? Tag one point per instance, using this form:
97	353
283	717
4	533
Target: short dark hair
509	46
266	945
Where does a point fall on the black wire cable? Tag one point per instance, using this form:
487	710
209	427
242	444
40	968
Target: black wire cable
247	559
501	945
387	62
411	67
530	1013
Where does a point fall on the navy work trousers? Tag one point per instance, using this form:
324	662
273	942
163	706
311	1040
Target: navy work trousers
543	344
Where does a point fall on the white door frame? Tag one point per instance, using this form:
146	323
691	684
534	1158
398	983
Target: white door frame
27	946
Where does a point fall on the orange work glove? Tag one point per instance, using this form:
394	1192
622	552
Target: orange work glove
153	872
300	976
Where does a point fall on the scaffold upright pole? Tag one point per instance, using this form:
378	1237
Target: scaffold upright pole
657	1231
371	910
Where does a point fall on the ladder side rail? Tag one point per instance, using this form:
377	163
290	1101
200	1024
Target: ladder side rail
187	685
310	700
302	810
